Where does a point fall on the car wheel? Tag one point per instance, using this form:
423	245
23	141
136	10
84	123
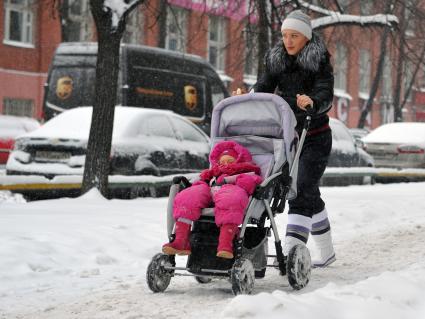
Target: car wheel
369	179
144	191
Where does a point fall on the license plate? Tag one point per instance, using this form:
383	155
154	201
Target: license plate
49	156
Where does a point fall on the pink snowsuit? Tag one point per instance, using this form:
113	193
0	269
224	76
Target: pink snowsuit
226	187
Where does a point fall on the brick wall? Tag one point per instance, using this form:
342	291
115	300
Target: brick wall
23	70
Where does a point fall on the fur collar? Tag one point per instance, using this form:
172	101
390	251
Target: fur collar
309	59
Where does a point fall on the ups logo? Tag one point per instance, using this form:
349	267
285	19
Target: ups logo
64	87
190	97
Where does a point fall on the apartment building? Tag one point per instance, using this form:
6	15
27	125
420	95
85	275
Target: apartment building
218	31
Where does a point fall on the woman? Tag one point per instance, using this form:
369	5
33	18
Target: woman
299	70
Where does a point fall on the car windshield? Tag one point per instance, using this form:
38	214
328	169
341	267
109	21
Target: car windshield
75	123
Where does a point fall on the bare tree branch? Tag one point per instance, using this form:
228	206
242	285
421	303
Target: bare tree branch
348	19
332	17
412	80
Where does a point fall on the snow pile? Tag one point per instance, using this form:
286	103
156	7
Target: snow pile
9	197
391	295
118	8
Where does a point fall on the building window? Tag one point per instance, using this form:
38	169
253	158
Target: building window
341	67
176	29
18	107
19	21
133	30
364	63
366	7
77	26
217	42
387	81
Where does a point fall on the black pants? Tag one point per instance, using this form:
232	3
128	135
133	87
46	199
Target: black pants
312	163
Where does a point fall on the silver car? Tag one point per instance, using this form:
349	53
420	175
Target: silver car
397	145
145	142
346	153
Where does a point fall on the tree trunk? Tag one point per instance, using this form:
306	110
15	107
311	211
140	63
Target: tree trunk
376	79
263	35
64	20
96	168
162	21
398	117
379	69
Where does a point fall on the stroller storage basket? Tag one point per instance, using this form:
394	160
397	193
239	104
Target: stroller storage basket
204	242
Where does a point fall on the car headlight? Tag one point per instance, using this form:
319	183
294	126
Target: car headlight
22	156
19	145
77	161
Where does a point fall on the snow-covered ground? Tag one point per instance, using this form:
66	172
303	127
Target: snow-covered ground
86	258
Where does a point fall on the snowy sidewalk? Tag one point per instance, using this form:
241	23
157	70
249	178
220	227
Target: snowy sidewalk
87	257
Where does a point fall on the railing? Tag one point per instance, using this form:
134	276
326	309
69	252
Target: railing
26	183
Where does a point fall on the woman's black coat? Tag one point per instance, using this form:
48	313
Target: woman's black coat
310	72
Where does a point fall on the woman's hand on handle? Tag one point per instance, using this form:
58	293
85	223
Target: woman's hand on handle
239	91
304	101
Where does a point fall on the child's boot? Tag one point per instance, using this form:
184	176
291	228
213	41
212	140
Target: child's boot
225	240
181	244
325	248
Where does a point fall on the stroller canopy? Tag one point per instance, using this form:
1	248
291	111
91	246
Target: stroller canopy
262	115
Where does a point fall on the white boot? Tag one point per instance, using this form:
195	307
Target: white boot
325	248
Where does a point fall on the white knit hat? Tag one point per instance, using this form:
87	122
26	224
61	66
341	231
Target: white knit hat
298	21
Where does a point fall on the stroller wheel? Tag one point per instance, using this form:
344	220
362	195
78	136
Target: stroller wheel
298	267
242	277
157	277
203	280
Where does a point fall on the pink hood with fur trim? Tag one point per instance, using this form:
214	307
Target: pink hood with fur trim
243	155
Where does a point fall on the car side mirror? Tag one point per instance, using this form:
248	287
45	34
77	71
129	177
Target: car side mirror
359	143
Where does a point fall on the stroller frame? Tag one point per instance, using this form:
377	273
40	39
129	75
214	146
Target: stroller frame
272	192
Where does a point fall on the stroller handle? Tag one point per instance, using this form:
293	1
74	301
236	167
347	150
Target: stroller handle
309	110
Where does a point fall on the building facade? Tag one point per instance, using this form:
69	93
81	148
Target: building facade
218	31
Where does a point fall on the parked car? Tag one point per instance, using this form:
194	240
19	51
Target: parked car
10	128
358	134
145	141
398	145
346	153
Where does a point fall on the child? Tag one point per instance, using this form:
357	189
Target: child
228	184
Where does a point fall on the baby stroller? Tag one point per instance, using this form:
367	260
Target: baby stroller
264	124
